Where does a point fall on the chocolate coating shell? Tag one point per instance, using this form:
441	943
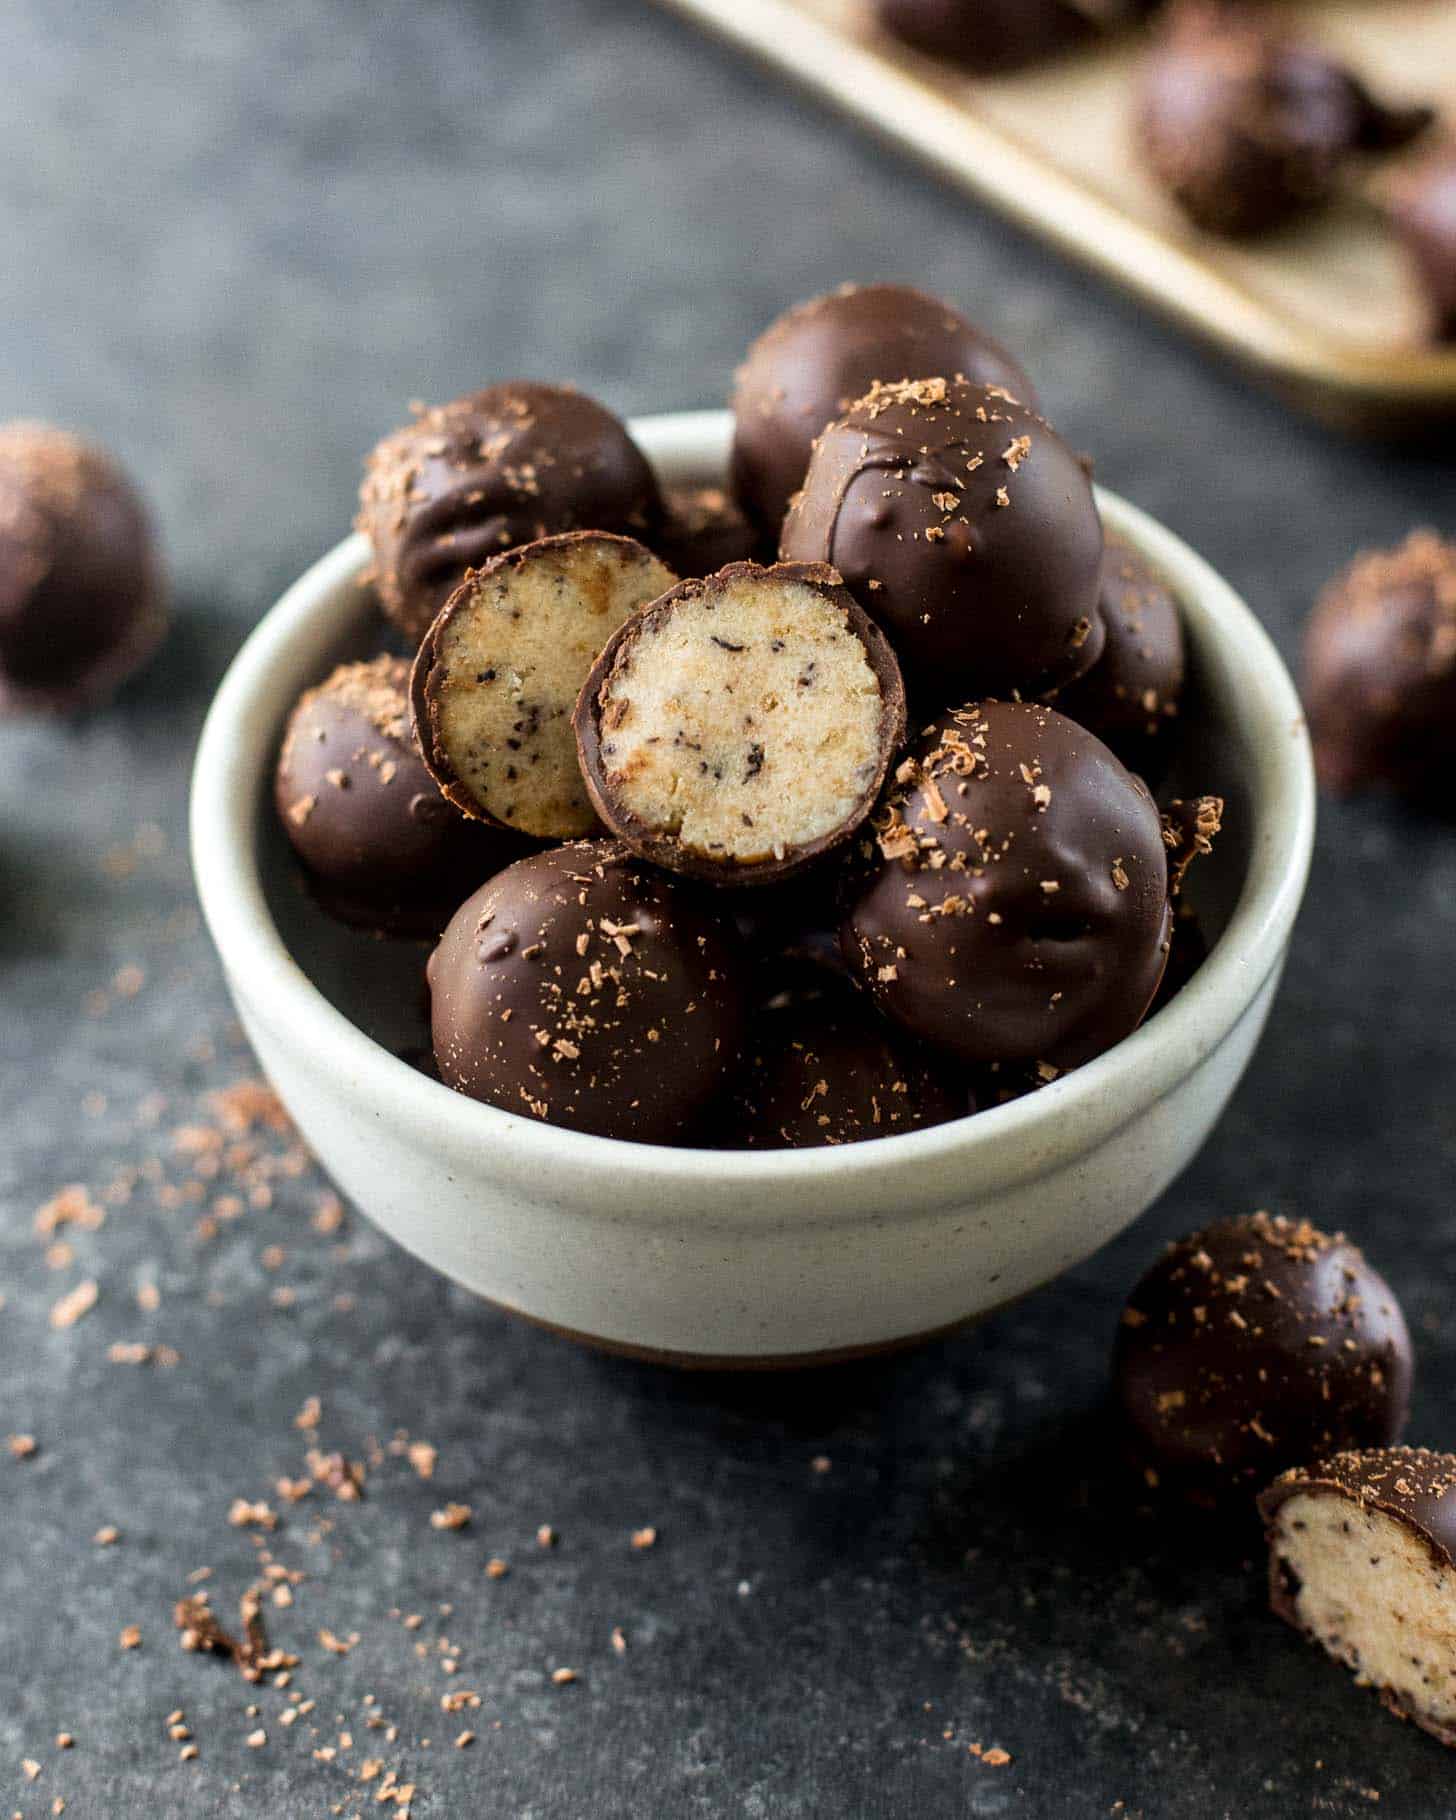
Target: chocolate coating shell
1016	909
483	473
1255	1345
1424	213
1247	127
810	365
1412	1484
82	596
382	848
964	524
703	530
583	988
1130	695
819	1068
1379	678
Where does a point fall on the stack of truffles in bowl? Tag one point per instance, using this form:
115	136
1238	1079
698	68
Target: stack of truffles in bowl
809	814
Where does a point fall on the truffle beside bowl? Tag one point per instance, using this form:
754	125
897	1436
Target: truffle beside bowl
762	1257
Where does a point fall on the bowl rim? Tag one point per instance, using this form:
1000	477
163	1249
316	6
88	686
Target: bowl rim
1017	1142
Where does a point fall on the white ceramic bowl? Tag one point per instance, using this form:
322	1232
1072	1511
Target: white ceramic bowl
747	1258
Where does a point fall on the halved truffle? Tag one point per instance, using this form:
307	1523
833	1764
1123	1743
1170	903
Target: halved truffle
586	989
1254	1345
742	725
1362	1560
82	595
963	523
810	364
1014	906
500	467
381	847
500	669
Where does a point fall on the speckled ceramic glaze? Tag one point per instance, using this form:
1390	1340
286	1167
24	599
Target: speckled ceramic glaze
751	1258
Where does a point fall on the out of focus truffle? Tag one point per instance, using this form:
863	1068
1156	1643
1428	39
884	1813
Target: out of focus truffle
810	365
963	523
82	596
1380	671
1257	1344
382	848
703	530
1247	126
501	467
1423	209
990	36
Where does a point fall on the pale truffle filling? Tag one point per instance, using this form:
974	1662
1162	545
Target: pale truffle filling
1373	1594
509	665
745	724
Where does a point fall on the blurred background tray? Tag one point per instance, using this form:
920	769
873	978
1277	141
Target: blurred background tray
1326	312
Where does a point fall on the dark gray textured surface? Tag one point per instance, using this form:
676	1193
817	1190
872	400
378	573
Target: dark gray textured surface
237	238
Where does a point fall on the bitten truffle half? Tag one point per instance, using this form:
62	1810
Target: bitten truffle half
586	989
82	595
1380	671
742	725
382	848
1257	1344
1014	905
1248	127
1362	1560
500	467
811	363
498	674
963	523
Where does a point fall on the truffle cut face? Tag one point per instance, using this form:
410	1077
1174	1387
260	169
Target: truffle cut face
586	989
746	721
498	674
496	468
1359	1561
1015	906
967	528
810	365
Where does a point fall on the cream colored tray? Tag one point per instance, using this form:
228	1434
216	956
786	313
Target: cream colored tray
1326	312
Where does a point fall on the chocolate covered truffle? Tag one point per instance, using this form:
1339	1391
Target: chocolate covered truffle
741	726
498	673
586	989
989	36
810	365
703	530
819	1068
966	526
1423	209
1255	1345
382	848
1362	1560
1380	670
496	468
1130	695
1247	127
82	598
1015	908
